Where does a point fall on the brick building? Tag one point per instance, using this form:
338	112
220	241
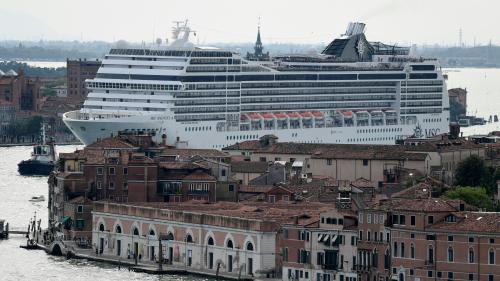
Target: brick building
77	72
20	91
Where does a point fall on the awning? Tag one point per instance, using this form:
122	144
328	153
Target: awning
66	219
321	237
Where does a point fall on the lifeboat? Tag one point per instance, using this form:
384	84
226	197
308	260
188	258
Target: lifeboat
268	116
318	115
293	115
306	115
255	116
280	116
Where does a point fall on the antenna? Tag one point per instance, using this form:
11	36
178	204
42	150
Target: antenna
460	38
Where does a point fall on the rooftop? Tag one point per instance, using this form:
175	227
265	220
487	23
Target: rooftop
479	222
249	167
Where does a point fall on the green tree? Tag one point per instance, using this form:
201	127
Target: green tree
475	196
470	172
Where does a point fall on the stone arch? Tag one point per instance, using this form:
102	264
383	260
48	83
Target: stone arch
249	241
229	241
152	232
208	236
101	224
117	227
56	249
135	229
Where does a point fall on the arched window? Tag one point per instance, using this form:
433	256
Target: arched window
491	257
210	241
136	231
249	246
471	255
401	277
189	238
170	236
402	249
229	243
387	259
395	250
450	254
101	227
151	232
118	229
412	251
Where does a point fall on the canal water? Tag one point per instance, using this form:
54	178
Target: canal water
20	264
15	191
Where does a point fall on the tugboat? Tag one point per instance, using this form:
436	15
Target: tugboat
43	158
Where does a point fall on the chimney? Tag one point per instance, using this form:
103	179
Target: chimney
164	139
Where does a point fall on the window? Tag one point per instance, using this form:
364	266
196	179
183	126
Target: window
492	240
369	235
189	238
229	244
369	218
79	209
471	239
223	172
249	246
125	186
111	185
429	273
430	219
99	170
230	188
471	276
439	274
491	257
431	237
402	219
319	258
412	251
285	254
402	249
450	254
361	235
272	199
450	275
111	170
450	238
262	159
365	162
490	277
80	224
471	255
412	220
329	162
430	255
286	198
395	249
125	171
99	185
210	241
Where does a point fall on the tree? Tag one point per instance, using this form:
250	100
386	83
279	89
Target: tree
475	196
470	172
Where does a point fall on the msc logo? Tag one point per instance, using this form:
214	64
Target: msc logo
419	133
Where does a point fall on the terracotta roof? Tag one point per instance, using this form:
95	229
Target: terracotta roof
343	151
199	176
245	145
249	167
188	153
110	143
479	222
301	214
255	188
426	205
78	200
363	183
180	165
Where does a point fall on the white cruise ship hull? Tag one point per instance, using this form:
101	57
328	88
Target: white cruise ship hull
204	134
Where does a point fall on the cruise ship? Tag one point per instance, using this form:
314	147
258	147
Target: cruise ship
354	92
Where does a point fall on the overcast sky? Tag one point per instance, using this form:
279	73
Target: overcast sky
291	21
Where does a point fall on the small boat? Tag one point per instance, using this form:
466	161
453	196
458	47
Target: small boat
37	198
43	158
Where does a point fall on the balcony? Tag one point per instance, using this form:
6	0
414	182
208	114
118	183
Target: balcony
172	191
198	192
362	268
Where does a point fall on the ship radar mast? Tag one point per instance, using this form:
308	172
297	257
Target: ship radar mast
180	34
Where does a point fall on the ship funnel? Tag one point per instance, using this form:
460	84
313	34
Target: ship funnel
355	28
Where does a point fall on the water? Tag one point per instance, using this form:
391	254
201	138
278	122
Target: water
15	191
20	264
483	98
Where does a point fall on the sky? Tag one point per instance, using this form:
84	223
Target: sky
226	21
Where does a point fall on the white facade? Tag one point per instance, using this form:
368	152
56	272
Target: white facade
188	246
